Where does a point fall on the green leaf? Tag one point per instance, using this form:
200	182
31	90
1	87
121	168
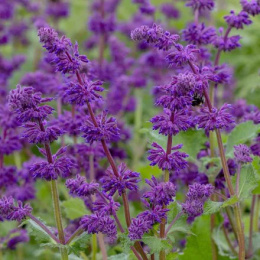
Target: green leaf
125	242
156	244
248	182
199	247
172	256
192	140
74	208
181	225
240	134
119	257
174	209
79	243
212	207
36	231
256	167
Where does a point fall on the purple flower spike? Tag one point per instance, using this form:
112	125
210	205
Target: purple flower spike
100	223
242	153
182	55
127	179
80	188
106	130
106	207
251	6
201	4
173	161
79	95
138	227
160	193
238	21
216	119
227	44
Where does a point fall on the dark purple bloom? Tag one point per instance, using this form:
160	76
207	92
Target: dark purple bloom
57	9
242	153
16	236
227	44
9	143
216	118
170	11
138	227
100	25
182	55
100	223
160	193
251	6
80	94
106	129
51	171
127	179
255	148
193	208
171	123
8	176
173	161
79	187
156	36
201	4
238	21
199	34
106	205
22	193
33	133
154	215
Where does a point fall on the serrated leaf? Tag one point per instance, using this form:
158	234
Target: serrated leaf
156	244
125	242
199	247
248	182
240	134
36	231
181	225
74	208
79	243
174	210
212	207
51	245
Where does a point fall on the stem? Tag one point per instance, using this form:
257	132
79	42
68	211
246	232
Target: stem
102	245
174	221
102	39
212	225
91	168
250	243
76	233
46	229
238	179
257	214
55	199
228	241
94	246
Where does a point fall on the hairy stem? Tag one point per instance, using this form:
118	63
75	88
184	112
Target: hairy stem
252	212
229	241
76	233
102	246
94	246
174	221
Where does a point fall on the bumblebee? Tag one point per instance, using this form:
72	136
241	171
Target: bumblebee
197	100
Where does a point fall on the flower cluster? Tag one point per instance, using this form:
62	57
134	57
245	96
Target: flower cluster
242	153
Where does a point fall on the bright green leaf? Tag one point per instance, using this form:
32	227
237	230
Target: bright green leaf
79	243
256	167
119	257
125	242
156	244
74	208
199	247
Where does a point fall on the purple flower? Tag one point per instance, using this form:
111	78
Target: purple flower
195	199
80	94
138	227
171	123
8	176
22	193
255	148
201	4
79	187
170	11
127	179
33	133
50	171
227	44
199	34
57	9
216	118
242	153
173	161
252	6
154	215
97	222
238	21
160	193
16	236
9	211
9	143
106	205
106	129
101	25
182	55
156	36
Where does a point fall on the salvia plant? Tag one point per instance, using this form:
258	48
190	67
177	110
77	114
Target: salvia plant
135	142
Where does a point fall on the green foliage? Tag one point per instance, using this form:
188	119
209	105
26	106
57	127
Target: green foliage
74	208
256	167
199	246
248	182
79	243
212	207
240	134
125	242
156	244
192	140
35	230
119	257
